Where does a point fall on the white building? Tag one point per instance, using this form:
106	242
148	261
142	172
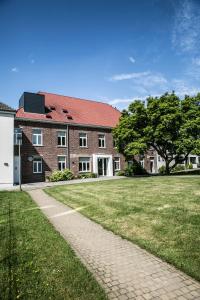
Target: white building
7	115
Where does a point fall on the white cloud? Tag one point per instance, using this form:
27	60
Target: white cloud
15	70
132	59
196	61
182	88
143	79
186	30
126	76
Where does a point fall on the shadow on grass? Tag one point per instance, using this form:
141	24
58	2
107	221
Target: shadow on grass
9	261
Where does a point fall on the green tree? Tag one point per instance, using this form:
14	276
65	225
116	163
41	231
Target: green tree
167	124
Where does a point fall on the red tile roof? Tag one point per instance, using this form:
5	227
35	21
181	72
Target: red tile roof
83	112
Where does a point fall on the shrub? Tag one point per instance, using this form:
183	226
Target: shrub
178	168
87	175
162	170
135	169
189	166
61	175
120	173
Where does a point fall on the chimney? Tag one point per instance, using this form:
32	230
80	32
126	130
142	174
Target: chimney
33	103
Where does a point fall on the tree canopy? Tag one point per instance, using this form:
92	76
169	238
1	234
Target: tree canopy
167	124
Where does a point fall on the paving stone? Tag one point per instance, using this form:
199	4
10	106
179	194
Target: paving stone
121	267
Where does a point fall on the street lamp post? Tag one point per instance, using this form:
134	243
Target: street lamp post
18	133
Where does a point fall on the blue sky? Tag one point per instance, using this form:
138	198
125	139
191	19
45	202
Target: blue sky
109	50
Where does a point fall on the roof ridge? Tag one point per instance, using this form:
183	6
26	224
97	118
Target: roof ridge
42	92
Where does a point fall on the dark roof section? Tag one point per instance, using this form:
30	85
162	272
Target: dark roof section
5	107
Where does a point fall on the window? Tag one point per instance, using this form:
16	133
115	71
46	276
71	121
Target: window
37	137
17	136
102	142
158	157
117	163
61	163
84	164
83	139
37	165
193	160
142	163
62	138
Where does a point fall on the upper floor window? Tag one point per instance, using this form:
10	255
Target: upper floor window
62	138
37	165
37	137
102	141
61	163
17	136
84	164
83	139
117	163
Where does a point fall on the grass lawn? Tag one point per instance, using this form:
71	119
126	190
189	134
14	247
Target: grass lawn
35	261
161	214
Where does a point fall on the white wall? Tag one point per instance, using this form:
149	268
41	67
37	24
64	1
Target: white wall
6	149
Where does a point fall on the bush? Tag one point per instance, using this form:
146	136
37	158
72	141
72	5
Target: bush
162	170
189	166
120	173
187	172
135	169
87	175
61	175
178	168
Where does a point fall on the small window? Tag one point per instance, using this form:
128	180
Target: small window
193	160
37	137
84	164
117	163
83	139
158	157
142	163
61	163
17	136
62	138
102	142
37	165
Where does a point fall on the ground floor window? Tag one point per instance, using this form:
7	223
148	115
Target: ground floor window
193	160
61	163
117	163
37	165
84	164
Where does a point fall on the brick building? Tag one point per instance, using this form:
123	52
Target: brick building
63	132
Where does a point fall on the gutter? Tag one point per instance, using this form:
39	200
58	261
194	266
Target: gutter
62	123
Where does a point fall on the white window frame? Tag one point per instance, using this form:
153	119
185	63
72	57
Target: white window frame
82	163
191	158
117	162
37	137
101	140
83	138
37	161
62	134
62	163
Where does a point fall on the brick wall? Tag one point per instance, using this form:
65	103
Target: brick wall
50	151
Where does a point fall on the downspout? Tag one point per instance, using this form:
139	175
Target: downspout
68	150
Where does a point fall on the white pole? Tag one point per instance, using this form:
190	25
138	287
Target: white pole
20	187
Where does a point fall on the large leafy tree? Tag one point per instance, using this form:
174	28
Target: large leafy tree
167	124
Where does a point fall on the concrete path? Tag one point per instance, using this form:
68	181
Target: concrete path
42	185
122	268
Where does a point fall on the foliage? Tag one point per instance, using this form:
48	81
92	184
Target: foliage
87	175
167	124
189	166
35	261
162	170
61	175
120	173
134	169
179	168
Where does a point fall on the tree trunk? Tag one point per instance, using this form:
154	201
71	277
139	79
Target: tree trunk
167	168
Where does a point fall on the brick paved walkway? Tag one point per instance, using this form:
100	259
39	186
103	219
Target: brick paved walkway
122	268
